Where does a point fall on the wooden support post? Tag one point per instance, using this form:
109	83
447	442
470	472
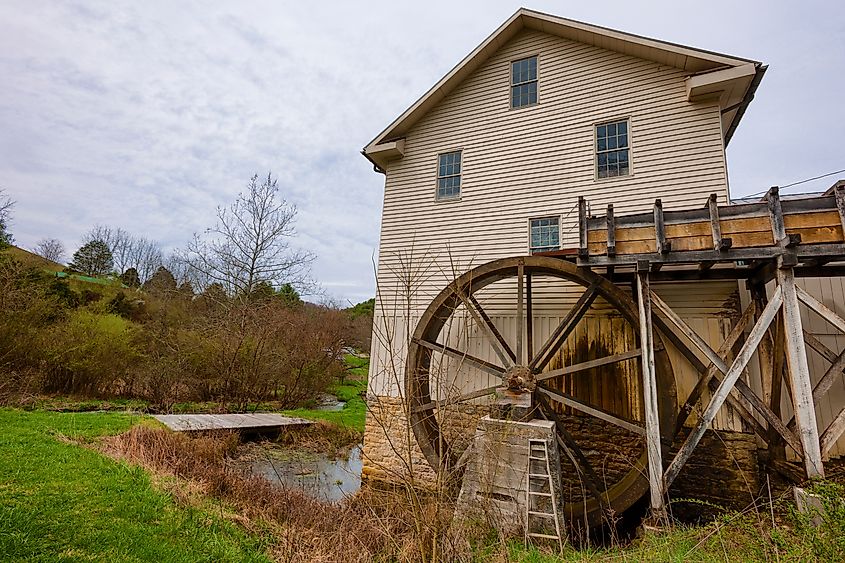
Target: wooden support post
583	245
611	231
663	245
719	243
529	319
799	375
839	194
776	451
652	418
520	311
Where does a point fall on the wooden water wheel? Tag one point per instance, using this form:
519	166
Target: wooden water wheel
563	373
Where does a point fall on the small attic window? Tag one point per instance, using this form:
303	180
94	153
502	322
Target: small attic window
449	175
524	82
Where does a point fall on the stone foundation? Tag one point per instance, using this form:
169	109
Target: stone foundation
722	474
496	482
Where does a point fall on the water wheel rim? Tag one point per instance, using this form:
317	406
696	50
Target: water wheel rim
627	490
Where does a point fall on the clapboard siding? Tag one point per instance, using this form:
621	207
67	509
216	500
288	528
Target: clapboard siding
536	161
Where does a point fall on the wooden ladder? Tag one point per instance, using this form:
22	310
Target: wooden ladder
540	489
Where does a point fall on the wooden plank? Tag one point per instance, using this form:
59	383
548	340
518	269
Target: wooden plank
721	394
579	405
775	214
657	488
799	375
241	422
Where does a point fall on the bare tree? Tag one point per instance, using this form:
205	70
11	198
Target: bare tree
250	243
128	250
6	205
50	249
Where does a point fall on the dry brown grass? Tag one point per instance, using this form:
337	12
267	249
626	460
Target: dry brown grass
373	525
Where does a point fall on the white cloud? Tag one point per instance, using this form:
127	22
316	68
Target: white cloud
149	115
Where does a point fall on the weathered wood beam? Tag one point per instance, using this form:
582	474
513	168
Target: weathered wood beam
583	241
833	432
706	376
589	364
478	363
564	329
520	310
488	329
742	387
657	487
823	310
839	195
611	231
570	446
663	246
457	400
799	375
721	393
668	334
529	319
577	404
719	243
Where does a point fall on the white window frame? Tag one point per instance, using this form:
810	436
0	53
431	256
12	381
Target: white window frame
511	83
459	175
533	250
596	125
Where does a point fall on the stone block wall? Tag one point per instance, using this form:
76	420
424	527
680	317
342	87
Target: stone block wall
722	474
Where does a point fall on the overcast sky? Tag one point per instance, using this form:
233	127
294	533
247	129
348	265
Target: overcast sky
147	115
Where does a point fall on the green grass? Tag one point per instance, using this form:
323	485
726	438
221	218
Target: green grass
354	412
63	502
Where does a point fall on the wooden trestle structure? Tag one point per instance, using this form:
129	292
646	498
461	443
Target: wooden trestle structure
773	240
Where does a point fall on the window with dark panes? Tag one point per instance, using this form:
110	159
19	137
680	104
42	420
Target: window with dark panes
545	234
612	149
524	82
449	175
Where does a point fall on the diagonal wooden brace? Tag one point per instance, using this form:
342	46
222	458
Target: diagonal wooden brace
742	387
721	394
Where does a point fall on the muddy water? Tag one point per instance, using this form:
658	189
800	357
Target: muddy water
315	473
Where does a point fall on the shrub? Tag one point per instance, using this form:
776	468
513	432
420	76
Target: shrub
90	353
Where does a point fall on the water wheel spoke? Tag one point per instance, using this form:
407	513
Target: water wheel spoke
483	365
491	329
577	404
583	366
564	329
457	400
570	447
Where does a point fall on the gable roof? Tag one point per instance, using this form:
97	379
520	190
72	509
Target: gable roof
734	77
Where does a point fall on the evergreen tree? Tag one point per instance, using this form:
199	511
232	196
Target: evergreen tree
93	259
289	295
130	278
